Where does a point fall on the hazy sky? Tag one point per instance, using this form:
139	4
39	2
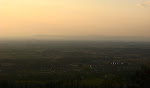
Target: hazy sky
75	17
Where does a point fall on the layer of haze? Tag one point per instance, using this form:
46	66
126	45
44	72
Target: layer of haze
74	17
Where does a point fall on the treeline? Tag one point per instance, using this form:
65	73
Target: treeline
64	84
141	80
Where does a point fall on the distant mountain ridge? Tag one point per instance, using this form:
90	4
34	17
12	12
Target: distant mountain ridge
79	37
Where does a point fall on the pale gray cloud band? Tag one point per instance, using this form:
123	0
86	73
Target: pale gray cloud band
144	3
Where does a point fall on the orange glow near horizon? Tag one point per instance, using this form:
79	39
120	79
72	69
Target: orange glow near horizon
73	17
